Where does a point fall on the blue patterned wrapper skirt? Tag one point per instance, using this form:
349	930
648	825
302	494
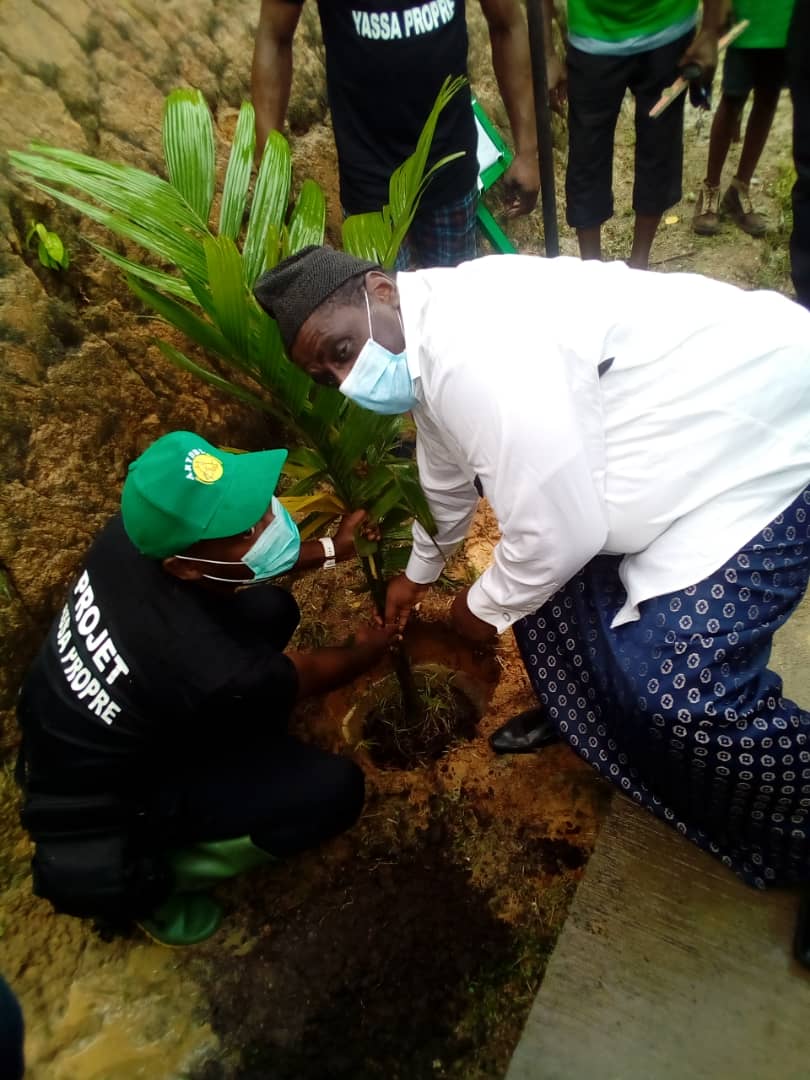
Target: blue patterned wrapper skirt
679	709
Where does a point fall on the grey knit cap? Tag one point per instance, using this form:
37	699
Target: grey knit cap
291	291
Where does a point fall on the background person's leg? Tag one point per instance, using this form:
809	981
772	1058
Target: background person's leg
596	86
725	128
737	84
659	145
766	73
726	123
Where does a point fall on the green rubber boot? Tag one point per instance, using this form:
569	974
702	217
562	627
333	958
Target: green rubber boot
183	919
190	915
199	866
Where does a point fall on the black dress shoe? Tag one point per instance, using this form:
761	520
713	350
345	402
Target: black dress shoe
525	732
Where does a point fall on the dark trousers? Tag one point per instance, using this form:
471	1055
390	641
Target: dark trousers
799	82
596	89
286	795
11	1035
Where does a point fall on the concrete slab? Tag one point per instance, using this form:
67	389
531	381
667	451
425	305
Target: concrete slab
668	967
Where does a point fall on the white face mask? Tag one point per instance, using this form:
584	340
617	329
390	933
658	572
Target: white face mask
273	552
380	380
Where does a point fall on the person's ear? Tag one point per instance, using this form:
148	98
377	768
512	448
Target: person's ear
380	286
181	568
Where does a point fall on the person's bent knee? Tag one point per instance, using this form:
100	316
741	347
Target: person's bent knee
351	794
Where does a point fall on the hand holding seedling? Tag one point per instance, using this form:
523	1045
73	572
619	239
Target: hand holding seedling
374	638
351	525
400	597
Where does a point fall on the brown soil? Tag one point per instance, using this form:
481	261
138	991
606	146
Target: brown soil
412	946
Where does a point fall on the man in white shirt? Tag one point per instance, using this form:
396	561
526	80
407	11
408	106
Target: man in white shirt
643	440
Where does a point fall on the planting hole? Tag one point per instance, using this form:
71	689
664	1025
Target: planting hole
447	713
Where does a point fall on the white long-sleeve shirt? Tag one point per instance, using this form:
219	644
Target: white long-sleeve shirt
696	435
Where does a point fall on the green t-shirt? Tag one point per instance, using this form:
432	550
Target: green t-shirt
769	20
618	20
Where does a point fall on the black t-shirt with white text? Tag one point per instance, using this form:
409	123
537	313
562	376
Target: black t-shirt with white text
385	64
140	668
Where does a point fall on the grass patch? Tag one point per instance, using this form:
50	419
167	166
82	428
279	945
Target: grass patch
774	269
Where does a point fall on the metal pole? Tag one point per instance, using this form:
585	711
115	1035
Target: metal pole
542	112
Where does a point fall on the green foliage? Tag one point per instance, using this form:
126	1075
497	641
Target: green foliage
51	252
200	281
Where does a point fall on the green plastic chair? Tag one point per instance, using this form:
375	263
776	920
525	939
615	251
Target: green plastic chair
494	158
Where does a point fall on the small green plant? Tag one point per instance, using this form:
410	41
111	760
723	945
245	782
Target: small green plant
51	252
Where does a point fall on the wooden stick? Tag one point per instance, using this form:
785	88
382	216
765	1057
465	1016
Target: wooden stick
680	84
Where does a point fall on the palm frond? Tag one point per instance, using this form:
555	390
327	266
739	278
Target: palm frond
203	287
368	236
228	294
269	202
188	148
308	219
234	389
237	175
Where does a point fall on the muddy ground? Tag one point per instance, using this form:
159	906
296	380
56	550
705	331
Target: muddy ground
411	947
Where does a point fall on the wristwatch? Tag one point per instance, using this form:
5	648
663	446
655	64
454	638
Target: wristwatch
328	545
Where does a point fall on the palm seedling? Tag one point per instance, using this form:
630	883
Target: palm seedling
198	277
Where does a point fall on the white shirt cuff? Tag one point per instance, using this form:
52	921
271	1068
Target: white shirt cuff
423	570
496	615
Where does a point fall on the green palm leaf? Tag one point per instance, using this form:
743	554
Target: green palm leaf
204	333
133	205
228	294
308	219
237	175
182	361
405	182
166	283
269	202
367	236
188	147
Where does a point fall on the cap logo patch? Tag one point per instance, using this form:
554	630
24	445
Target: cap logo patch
203	467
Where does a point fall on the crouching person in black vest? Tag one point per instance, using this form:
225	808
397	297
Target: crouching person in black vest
155	756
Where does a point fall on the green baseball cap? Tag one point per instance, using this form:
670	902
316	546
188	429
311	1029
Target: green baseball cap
182	489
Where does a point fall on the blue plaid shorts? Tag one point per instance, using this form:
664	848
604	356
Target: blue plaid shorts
445	236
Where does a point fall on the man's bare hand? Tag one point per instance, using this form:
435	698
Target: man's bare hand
521	183
400	597
557	78
467	624
350	524
376	639
703	52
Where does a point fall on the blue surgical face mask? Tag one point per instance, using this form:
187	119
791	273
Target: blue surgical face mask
274	551
380	380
